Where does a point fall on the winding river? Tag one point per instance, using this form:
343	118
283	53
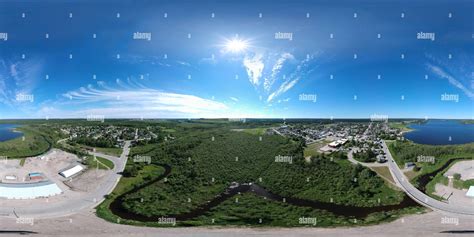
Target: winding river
341	210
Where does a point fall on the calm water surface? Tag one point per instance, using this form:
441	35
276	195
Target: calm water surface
441	132
7	133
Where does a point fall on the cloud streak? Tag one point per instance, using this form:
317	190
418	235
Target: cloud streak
18	77
280	72
443	74
302	69
136	100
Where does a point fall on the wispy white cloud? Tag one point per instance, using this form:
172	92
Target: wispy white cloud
284	100
254	66
234	99
302	69
443	74
282	89
183	63
18	77
133	100
276	70
279	71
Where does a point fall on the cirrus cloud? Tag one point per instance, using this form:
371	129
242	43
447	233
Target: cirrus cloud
132	100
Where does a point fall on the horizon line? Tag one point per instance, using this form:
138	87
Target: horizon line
221	118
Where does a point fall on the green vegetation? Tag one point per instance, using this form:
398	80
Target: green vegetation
384	171
114	151
457	176
105	142
251	210
253	131
313	148
403	126
197	159
35	141
205	157
105	162
365	156
407	151
22	161
411	174
98	162
463	184
146	174
468	121
323	179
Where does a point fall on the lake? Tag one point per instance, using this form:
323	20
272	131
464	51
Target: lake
441	132
7	133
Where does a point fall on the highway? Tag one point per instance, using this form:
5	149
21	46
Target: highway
69	206
420	197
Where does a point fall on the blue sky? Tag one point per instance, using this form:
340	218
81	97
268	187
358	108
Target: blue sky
188	70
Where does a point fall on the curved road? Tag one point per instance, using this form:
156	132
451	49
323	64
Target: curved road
419	196
73	205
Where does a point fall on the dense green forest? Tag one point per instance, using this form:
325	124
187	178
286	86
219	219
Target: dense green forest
105	142
203	167
365	156
406	151
205	159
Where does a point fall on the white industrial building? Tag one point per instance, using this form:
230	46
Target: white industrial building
470	192
71	171
29	190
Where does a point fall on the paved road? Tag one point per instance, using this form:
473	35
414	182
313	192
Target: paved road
420	197
73	205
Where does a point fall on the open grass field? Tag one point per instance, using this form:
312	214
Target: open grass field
411	174
384	172
99	162
400	125
116	151
253	131
313	148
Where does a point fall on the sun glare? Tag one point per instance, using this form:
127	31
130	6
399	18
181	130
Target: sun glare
236	45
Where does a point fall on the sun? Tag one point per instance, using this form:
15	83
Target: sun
236	45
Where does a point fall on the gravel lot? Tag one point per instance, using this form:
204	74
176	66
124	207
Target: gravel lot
87	224
464	168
